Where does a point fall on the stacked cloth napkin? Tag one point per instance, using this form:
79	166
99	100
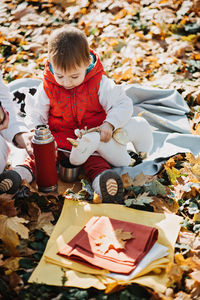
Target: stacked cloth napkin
111	244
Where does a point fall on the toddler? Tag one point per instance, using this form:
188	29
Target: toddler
75	93
14	131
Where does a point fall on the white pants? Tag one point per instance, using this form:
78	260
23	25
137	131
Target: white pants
4	152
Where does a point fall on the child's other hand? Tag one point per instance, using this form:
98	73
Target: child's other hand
23	140
106	131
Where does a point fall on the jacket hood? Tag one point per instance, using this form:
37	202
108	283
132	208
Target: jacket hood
95	70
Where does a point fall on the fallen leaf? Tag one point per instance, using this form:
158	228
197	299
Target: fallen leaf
141	199
44	222
11	264
141	179
96	198
10	229
173	174
7	205
127	180
116	241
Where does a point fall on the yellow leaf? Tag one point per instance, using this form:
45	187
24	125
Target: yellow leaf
192	159
196	217
196	169
173	174
115	286
96	198
11	264
121	14
10	228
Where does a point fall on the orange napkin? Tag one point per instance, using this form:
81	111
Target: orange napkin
94	244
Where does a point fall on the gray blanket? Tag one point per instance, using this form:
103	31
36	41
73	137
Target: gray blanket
165	110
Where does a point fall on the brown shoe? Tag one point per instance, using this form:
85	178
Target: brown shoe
111	186
10	181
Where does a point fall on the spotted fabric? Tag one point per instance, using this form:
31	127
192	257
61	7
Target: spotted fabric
74	108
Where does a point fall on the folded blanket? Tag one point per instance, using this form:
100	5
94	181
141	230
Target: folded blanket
111	244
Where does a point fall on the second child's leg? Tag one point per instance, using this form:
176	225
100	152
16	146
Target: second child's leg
105	182
10	181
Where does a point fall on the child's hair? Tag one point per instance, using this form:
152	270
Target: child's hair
68	48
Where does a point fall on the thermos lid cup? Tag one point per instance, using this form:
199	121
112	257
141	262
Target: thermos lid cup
42	135
67	171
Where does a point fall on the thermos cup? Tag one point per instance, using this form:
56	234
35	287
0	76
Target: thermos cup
45	159
2	114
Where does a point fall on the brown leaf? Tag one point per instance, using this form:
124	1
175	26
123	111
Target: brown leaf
161	205
33	211
127	180
16	282
44	222
10	228
141	179
7	205
116	241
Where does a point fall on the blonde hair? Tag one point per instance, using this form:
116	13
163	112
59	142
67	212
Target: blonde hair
68	48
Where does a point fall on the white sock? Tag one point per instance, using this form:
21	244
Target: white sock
24	173
96	185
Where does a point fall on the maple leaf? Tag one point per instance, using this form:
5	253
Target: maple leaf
141	179
10	228
157	188
173	174
115	241
141	199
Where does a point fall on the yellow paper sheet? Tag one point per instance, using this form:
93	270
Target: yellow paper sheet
77	214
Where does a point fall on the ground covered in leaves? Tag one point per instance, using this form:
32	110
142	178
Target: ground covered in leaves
154	43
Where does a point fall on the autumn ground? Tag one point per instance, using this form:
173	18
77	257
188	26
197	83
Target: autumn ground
148	42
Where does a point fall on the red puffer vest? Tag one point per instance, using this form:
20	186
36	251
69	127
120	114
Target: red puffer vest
74	108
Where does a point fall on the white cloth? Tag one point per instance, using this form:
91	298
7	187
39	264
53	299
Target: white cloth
16	124
156	252
116	103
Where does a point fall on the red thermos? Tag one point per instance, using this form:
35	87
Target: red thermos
45	159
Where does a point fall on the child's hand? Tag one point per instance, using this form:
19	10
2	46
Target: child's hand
23	140
106	131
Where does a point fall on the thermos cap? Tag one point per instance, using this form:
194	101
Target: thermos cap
42	135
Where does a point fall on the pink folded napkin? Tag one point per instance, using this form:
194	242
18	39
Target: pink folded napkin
111	244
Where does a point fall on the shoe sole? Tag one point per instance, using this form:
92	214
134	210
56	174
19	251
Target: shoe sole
10	182
111	186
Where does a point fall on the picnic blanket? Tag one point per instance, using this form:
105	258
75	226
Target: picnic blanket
165	110
74	216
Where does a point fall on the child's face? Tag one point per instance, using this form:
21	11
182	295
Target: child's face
72	78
